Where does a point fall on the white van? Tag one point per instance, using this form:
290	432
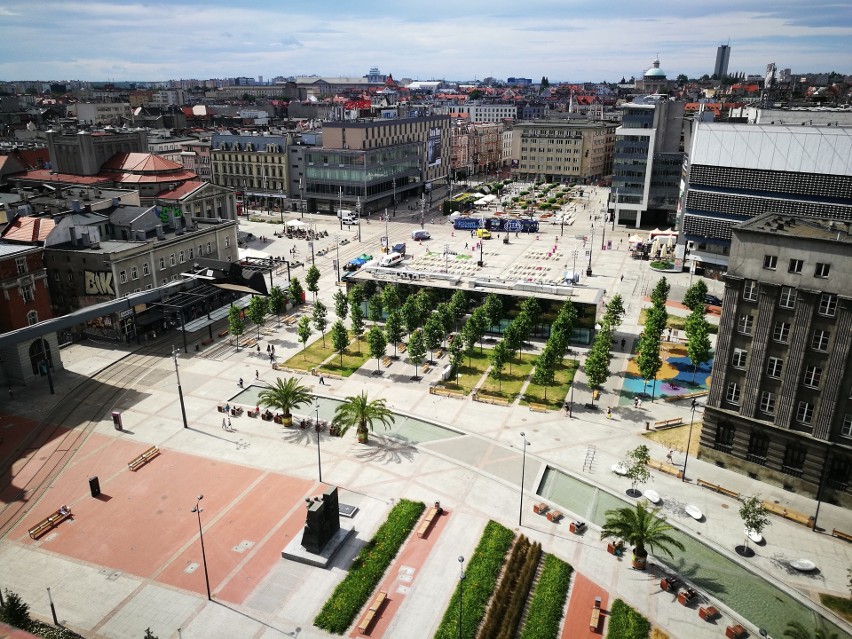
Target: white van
347	217
391	259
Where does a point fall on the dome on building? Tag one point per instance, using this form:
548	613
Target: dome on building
655	72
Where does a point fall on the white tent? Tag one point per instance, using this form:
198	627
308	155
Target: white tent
297	224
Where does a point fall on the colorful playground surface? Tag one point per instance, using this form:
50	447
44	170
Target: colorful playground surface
674	379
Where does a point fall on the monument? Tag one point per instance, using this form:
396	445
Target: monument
323	535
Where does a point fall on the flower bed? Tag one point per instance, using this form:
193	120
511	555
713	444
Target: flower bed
548	600
480	578
504	614
626	623
369	566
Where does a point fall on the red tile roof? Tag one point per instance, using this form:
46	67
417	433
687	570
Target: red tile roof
140	162
180	192
43	175
29	229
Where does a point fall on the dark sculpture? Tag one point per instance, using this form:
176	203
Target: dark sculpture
322	522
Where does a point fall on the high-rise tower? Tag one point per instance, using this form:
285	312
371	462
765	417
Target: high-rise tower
723	55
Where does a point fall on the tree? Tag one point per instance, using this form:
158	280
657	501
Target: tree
614	312
563	327
545	369
356	317
656	321
284	396
303	330
524	329
358	411
458	306
476	94
456	354
433	333
532	309
642	529
797	630
410	315
356	295
339	339
479	324
648	359
312	277
378	344
149	634
469	336
755	519
257	311
319	317
393	328
597	362
493	310
660	294
698	346
423	302
416	349
235	323
636	465
445	316
390	297
513	338
341	304
499	357
374	308
694	296
296	291
277	302
15	611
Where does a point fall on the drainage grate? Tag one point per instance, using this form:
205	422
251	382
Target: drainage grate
243	546
191	568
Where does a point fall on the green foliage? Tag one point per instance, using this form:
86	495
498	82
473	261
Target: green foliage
393	327
636	463
626	623
660	294
296	291
339	339
235	323
369	566
410	315
614	312
457	354
458	305
276	302
648	359
319	318
357	295
378	343
363	413
303	330
390	297
312	277
504	614
284	396
545	610
662	265
493	309
374	308
597	362
15	611
433	333
694	297
445	315
544	374
698	346
639	527
754	516
257	311
356	318
341	304
416	349
499	358
480	578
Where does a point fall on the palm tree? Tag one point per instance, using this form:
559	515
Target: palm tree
285	396
640	527
797	630
358	411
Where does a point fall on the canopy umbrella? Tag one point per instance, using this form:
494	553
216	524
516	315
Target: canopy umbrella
296	224
634	238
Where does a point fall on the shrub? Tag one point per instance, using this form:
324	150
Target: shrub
15	611
548	600
626	623
480	579
504	614
663	265
369	566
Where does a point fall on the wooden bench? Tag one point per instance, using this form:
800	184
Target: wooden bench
49	523
497	401
719	489
668	423
439	354
401	347
378	601
445	392
792	515
841	535
666	468
143	459
595	619
223	333
365	623
386	362
372	611
538	408
676	398
431	515
289	321
426	368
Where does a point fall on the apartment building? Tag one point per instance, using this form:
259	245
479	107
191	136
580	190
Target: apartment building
254	165
780	403
483	113
99	113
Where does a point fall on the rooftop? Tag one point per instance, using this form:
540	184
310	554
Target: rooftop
791	226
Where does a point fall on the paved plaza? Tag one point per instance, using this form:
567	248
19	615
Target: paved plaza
131	558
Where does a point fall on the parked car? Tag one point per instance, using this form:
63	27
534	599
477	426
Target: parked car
420	235
712	300
399	248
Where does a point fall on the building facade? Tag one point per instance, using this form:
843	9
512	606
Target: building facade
780	403
84	153
23	287
482	113
254	165
723	56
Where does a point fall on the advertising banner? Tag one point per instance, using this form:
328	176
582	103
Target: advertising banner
433	147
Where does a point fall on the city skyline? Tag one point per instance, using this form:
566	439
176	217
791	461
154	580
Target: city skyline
564	41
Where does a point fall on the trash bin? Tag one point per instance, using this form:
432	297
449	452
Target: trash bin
94	486
647	425
116	420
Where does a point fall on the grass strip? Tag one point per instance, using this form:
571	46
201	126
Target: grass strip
626	623
369	566
548	600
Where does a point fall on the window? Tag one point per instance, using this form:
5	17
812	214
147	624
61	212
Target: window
795	266
828	304
145	268
846	429
122	276
819	342
134	273
781	332
149	287
750	291
745	323
21	265
774	366
172	259
28	293
813	374
770	262
181	257
758	447
788	297
794	460
725	438
767	402
162	263
191	253
165	281
227	241
804	412
739	359
32	318
733	393
208	248
822	270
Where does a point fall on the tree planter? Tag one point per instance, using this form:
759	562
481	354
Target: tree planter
287	420
639	561
362	438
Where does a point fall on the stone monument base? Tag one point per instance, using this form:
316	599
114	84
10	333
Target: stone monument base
294	551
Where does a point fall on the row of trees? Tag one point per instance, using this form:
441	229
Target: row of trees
599	356
259	307
648	359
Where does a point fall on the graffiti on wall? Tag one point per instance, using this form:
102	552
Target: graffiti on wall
98	283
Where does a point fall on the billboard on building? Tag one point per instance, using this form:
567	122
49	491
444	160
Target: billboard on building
433	147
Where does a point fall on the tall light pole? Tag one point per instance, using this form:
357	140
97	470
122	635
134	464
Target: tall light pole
197	511
523	473
358	214
591	246
461	592
574	268
281	204
337	249
340	206
180	390
695	405
422	209
52	607
317	428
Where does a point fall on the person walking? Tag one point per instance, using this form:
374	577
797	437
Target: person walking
240	383
609	413
256	374
229	424
669	456
223	424
322	380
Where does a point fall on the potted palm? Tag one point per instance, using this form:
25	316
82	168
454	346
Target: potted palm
285	396
642	529
363	413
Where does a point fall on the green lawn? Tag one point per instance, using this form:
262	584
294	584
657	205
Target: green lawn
510	386
315	354
352	360
555	394
676	322
469	374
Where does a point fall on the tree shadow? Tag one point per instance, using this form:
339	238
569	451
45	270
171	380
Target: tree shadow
385	450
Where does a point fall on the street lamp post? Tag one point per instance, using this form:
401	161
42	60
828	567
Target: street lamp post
422	209
52	607
317	428
197	511
603	231
523	473
461	592
358	214
574	268
337	249
281	204
180	390
695	405
340	206
591	246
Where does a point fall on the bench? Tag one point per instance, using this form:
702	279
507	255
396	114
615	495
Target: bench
365	623
236	411
675	398
577	527
538	408
665	468
223	333
289	321
718	489
431	515
377	602
792	515
445	392
386	361
686	597
668	423
595	619
439	354
708	613
401	347
497	401
49	522
554	515
252	413
143	459
540	508
841	535
426	368
735	632
221	408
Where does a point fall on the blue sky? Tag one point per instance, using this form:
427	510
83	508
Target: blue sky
567	40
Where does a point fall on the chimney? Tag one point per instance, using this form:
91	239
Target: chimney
75	206
116	201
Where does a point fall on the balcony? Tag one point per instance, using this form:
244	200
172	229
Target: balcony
756	459
724	448
793	472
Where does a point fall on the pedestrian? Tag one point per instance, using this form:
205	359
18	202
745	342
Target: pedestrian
240	383
622	277
635	402
258	348
623	342
465	245
669	456
223	423
256	374
271	357
229	424
273	349
640	404
267	348
322	380
609	413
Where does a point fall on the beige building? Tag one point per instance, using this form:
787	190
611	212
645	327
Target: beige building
563	151
99	113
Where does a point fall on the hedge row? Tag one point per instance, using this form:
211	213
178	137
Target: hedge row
480	578
369	566
548	600
504	614
626	623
